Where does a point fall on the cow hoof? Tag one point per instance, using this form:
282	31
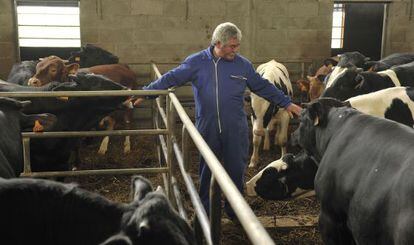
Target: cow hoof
102	152
74	168
252	165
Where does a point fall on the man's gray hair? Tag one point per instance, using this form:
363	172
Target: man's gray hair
224	32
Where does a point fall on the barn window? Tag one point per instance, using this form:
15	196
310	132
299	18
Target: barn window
48	23
338	18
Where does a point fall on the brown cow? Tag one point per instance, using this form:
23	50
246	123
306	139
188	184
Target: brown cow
53	68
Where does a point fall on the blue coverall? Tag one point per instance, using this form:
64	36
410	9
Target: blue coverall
219	87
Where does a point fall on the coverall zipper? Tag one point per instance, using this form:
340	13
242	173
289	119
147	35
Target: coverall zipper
217	95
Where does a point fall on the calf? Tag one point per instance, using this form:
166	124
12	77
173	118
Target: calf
363	180
65	214
266	115
353	82
53	69
280	178
12	122
389	61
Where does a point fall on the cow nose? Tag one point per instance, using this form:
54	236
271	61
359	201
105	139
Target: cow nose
34	82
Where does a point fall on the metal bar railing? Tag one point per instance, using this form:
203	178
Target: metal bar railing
249	221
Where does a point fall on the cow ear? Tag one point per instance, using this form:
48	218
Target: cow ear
318	113
140	187
72	68
309	77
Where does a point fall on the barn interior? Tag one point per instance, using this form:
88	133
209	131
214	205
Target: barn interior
300	34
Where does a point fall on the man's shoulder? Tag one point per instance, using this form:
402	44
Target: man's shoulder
243	60
201	55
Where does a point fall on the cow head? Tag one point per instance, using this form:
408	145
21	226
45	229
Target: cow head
345	85
151	220
315	115
316	86
51	69
352	58
281	177
91	55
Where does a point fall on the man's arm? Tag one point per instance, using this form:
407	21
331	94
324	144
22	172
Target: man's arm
175	77
268	91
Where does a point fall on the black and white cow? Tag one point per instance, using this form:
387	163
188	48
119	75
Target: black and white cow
364	179
346	61
279	179
12	122
389	61
353	82
35	211
266	115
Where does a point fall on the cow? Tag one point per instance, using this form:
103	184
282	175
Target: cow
346	61
53	69
36	211
390	61
73	114
280	178
354	82
91	55
22	72
364	182
12	122
266	115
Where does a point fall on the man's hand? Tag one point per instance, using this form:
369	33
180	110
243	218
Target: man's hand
293	108
138	101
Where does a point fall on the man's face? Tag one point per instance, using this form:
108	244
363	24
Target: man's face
228	51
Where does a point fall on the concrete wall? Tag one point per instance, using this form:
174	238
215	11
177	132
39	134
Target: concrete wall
399	32
8	48
166	31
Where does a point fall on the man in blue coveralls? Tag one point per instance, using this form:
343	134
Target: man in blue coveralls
219	77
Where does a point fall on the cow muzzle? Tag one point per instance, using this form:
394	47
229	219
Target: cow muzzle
34	82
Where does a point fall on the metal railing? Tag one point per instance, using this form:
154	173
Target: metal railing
220	179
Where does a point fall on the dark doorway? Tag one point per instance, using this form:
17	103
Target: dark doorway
363	26
34	53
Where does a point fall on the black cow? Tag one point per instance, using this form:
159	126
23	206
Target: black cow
279	179
22	72
364	179
12	122
389	61
91	55
35	211
346	60
353	82
73	114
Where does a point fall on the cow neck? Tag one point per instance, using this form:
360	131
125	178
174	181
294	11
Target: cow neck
336	119
392	75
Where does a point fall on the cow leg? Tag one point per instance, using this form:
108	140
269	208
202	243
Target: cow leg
127	119
109	122
270	127
255	154
282	126
334	231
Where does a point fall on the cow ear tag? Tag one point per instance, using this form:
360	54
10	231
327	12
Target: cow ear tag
77	58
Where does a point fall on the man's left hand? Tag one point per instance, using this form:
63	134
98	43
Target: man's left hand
293	108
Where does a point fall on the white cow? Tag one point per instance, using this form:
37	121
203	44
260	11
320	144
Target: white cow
278	75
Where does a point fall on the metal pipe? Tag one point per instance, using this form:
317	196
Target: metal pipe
215	211
106	93
249	221
184	146
177	195
26	156
95	172
71	134
170	128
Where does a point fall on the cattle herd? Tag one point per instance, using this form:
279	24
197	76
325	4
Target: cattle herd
356	136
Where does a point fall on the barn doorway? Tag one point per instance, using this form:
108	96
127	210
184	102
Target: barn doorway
362	28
